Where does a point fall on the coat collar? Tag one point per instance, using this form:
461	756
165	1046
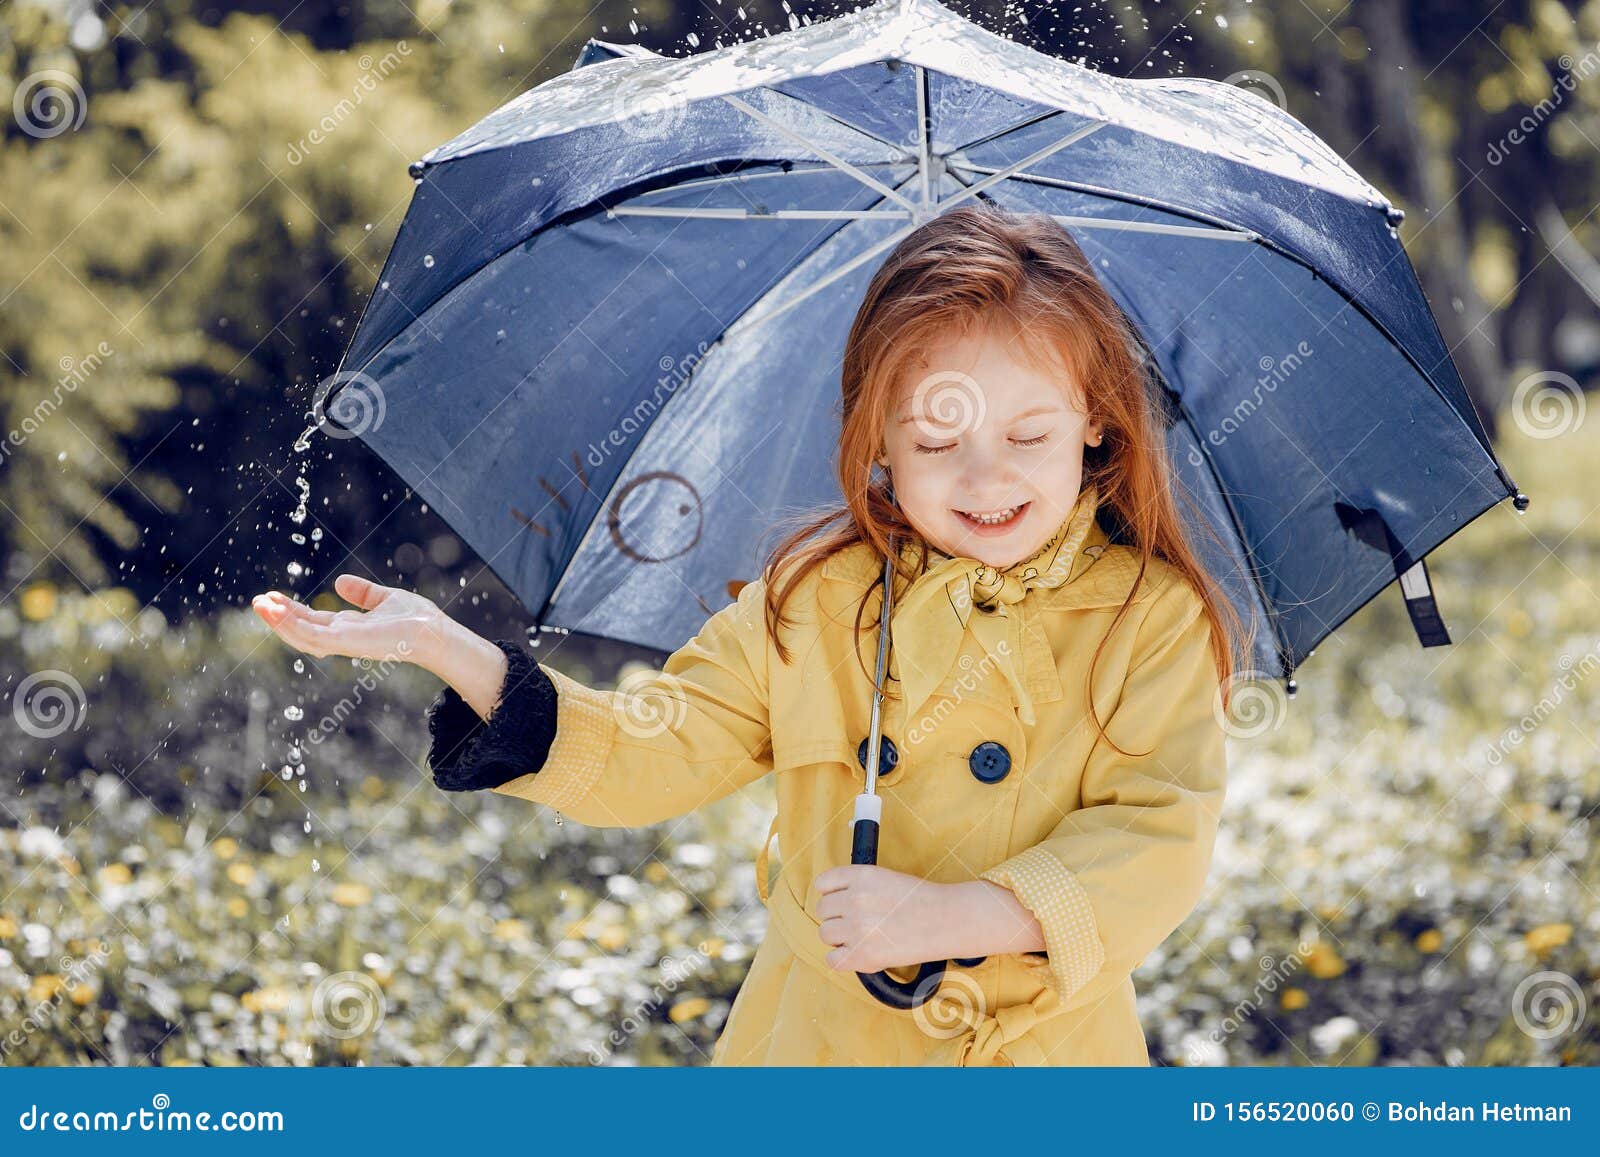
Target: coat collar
1103	574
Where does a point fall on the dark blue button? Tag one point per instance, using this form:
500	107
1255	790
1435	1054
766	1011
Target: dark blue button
887	755
990	762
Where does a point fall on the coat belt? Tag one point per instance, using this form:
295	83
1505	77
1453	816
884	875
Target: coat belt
967	1034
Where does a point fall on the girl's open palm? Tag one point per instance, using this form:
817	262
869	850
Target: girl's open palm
391	624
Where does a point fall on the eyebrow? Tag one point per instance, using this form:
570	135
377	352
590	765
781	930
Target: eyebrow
1017	418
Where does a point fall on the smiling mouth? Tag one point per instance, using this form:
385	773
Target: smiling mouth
993	518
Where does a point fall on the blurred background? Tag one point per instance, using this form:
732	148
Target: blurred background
214	851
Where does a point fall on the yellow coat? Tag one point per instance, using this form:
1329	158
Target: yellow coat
1110	852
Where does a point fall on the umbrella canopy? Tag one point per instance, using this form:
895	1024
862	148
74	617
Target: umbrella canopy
606	343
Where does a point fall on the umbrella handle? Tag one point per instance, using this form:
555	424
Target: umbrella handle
901	994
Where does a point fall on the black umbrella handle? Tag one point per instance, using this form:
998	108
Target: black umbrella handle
901	994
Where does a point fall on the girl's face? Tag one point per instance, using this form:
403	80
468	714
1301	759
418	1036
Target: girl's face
985	451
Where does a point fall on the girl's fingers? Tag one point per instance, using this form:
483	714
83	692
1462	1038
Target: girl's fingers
362	592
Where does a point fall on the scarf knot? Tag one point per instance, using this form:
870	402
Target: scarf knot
926	639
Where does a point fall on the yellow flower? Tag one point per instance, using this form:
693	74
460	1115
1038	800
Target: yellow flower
238	908
8	926
1547	937
351	895
579	929
655	871
1323	962
1428	941
82	994
687	1009
116	874
511	930
38	602
241	873
44	986
1293	998
227	847
274	999
611	937
373	786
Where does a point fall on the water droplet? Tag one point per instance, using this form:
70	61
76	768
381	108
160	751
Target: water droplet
427	261
300	666
294	713
316	864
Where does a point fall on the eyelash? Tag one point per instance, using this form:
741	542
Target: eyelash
941	449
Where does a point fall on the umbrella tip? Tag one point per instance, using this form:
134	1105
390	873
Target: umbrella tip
415	170
1520	501
1290	687
1394	214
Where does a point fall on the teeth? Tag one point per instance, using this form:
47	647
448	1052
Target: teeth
992	519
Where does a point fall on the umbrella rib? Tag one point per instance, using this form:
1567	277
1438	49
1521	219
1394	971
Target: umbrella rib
999	175
747	322
923	164
736	214
828	155
1156	227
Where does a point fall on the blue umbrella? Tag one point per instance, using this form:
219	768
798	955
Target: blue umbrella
606	344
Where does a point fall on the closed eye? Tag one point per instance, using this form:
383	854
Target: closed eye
921	449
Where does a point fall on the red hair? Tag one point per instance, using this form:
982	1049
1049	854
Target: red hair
977	265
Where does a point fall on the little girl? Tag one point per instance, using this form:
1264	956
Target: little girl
1052	761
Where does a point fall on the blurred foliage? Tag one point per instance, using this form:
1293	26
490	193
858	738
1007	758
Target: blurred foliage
1392	866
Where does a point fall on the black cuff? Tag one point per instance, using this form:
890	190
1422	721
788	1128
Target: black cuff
469	753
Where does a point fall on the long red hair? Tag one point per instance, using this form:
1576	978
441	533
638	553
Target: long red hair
981	264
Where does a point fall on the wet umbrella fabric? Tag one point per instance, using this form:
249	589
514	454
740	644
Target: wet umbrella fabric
606	343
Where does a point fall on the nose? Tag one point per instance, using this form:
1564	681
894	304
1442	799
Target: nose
989	475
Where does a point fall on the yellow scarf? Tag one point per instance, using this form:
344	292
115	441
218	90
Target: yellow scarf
925	656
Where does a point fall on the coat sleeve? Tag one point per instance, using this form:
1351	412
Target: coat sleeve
662	745
1119	874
